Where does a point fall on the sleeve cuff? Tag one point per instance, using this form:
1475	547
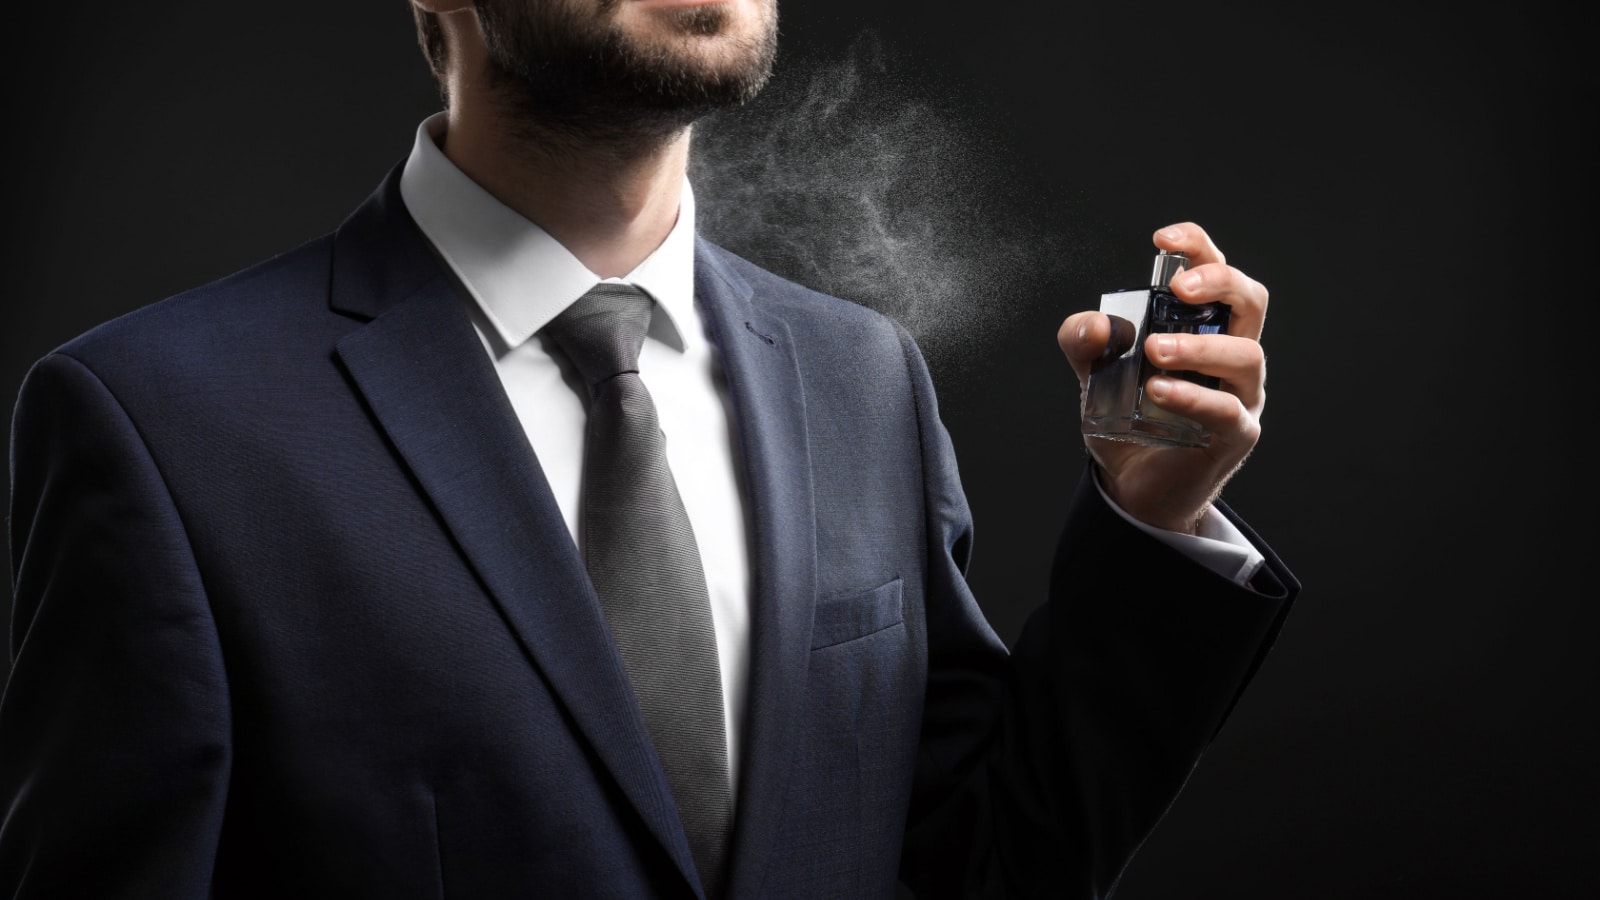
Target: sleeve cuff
1218	544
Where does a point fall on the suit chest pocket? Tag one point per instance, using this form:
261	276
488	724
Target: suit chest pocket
850	616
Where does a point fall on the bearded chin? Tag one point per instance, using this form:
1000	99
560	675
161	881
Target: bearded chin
579	80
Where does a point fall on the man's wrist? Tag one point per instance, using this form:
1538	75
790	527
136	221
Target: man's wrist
1215	543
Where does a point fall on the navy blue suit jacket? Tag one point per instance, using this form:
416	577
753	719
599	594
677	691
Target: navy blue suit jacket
297	616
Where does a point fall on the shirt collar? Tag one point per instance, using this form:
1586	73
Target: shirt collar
518	274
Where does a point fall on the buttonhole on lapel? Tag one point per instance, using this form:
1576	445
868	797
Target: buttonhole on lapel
752	329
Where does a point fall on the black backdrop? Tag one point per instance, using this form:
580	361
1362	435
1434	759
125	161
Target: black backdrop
1413	186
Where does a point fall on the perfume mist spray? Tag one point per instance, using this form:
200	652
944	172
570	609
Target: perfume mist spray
1115	406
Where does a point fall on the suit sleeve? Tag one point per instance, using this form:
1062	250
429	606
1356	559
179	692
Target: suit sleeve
114	726
1041	771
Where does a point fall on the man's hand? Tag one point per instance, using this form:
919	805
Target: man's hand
1172	487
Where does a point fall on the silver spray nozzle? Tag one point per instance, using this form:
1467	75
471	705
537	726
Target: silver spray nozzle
1168	264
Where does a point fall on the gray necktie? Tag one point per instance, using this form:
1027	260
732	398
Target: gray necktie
641	555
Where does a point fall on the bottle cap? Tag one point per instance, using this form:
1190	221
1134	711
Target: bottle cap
1167	265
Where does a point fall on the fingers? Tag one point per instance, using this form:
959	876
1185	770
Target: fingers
1192	241
1209	279
1222	413
1238	361
1091	337
1084	337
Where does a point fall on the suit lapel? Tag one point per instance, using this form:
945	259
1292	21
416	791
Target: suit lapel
769	403
428	381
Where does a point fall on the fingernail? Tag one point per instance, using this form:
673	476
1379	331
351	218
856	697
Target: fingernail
1172	233
1158	388
1190	281
1083	330
1166	345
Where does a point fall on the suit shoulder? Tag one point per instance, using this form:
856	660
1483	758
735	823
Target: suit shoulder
812	305
247	307
839	342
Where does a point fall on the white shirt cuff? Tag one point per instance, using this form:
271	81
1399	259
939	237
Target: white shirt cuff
1218	545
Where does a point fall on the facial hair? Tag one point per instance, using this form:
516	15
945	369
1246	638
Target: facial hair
566	72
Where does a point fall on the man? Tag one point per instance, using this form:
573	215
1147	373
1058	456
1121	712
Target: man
324	589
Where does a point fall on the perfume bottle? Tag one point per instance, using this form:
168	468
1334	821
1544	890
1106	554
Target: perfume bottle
1114	406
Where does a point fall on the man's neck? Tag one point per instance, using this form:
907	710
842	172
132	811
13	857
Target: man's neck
610	203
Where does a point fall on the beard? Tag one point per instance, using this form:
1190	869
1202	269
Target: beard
562	69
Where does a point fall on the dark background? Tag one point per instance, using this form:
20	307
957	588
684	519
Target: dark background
1413	187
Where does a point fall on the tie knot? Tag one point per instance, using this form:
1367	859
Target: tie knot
602	331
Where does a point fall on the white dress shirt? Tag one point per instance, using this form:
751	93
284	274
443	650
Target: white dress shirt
520	278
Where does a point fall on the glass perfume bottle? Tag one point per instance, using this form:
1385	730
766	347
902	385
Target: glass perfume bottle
1114	405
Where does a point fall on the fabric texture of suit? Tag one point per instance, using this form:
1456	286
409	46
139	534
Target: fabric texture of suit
297	616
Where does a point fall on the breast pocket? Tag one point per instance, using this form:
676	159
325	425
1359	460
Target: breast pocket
852	616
